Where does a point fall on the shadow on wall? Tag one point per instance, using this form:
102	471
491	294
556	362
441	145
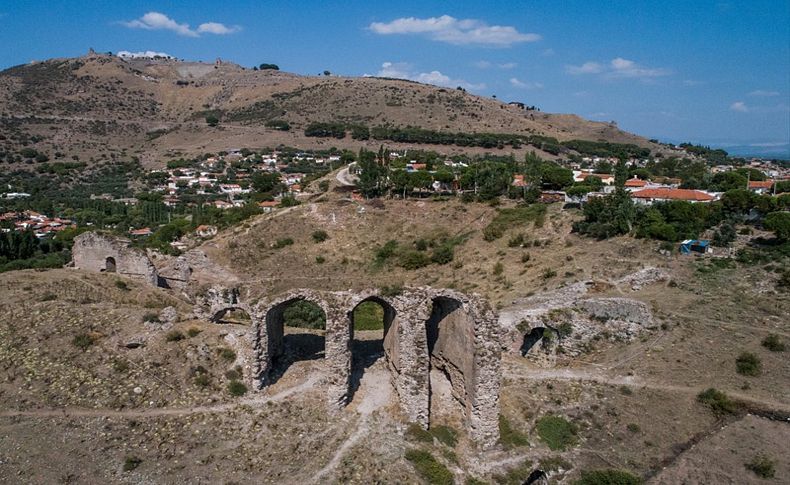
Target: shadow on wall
531	339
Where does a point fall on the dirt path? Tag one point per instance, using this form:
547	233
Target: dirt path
155	412
599	376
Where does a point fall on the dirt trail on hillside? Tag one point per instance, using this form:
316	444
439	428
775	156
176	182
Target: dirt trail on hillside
155	412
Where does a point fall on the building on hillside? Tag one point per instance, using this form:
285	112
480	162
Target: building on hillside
635	184
582	175
518	181
761	186
268	205
663	194
146	231
206	230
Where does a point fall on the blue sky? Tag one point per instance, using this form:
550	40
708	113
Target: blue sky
714	72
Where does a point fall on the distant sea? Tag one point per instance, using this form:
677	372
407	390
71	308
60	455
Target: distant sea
759	150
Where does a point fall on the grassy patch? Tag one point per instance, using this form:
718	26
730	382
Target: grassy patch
131	462
320	236
748	364
174	336
83	341
717	401
510	437
227	354
121	285
445	434
557	432
554	464
416	433
762	466
193	331
514	217
429	469
368	315
281	243
773	343
608	477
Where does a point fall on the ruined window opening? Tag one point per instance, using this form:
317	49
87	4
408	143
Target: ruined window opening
233	316
109	265
531	338
371	337
296	330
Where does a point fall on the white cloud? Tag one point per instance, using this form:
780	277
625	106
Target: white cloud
516	83
507	65
160	21
217	28
488	65
402	70
618	68
455	31
547	52
764	94
586	68
692	82
482	64
144	54
739	106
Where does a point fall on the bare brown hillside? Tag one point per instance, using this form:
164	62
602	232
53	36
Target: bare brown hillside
104	106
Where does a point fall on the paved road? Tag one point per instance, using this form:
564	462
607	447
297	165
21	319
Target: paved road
346	178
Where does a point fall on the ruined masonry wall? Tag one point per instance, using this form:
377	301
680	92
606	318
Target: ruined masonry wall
92	249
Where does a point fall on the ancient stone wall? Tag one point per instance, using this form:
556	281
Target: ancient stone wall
103	253
467	342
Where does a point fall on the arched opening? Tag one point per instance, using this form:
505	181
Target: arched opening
232	316
531	339
372	338
450	338
109	265
296	332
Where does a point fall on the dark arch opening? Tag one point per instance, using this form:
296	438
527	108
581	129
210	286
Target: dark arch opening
531	338
296	332
371	337
233	316
450	345
109	265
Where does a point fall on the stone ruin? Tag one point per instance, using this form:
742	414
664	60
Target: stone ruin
424	328
97	252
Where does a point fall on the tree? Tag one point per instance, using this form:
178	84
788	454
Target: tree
725	181
779	223
273	67
212	120
265	181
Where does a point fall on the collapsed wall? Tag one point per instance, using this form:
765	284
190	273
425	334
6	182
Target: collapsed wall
103	253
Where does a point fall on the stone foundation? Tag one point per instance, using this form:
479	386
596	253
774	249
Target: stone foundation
97	252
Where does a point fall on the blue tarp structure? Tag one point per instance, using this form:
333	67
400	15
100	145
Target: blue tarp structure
694	246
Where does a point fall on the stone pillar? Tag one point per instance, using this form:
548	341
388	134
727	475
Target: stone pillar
338	355
483	418
412	382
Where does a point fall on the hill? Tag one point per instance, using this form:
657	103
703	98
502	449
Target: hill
102	106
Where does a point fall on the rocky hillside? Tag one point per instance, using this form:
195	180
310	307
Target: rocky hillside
105	106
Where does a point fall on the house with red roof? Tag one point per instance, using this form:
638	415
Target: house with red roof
664	194
761	186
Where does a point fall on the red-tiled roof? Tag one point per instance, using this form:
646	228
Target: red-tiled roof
761	184
635	183
268	203
672	194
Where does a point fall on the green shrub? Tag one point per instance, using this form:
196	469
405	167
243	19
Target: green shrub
121	285
413	259
608	477
193	331
202	379
151	317
174	336
762	466
304	314
281	243
525	258
633	427
557	432
443	254
236	388
131	462
548	273
49	296
516	241
320	260
429	469
516	475
227	354
717	401
320	236
498	268
514	217
391	290
83	341
120	365
748	364
772	343
510	437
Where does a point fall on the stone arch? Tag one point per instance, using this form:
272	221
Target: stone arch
109	265
364	354
531	339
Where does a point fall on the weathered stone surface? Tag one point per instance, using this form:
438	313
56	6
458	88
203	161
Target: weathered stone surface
424	328
168	315
97	252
